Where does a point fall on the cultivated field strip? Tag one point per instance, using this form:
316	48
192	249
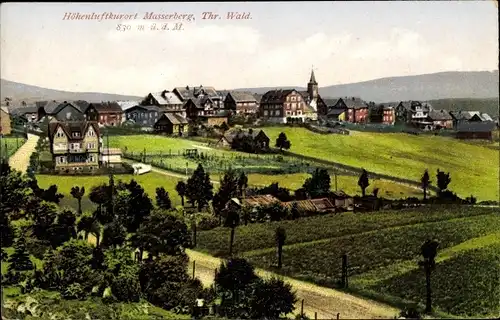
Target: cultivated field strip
261	236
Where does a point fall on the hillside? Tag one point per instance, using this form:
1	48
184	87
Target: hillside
473	168
23	92
457	84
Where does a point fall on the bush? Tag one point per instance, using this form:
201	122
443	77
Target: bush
126	287
207	222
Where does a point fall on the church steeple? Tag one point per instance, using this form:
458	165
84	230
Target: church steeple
313	78
312	87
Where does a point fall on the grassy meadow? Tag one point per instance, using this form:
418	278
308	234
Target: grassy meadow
149	181
384	250
9	146
473	168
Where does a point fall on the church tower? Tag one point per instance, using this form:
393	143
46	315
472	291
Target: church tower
312	87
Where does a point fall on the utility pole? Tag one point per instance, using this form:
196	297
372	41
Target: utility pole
111	179
335	173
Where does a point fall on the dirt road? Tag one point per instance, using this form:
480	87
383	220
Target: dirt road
327	303
21	159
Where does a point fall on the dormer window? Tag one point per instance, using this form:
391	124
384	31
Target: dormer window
76	134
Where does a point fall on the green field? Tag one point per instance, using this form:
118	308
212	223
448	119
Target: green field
473	168
149	181
347	183
383	250
9	145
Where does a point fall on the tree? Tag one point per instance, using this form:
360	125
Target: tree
232	221
282	142
162	279
20	259
228	189
375	192
88	225
199	188
63	229
139	205
181	190
78	193
124	272
272	299
163	199
43	214
242	183
114	234
15	192
318	185
429	253
425	182
162	233
443	180
100	195
49	195
363	182
280	236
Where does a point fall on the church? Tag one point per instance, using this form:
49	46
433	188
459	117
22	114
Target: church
291	105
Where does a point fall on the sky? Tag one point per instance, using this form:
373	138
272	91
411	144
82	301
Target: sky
344	42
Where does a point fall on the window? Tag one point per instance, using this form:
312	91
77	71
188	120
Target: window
91	158
60	133
265	112
61	160
91	133
91	146
294	105
76	134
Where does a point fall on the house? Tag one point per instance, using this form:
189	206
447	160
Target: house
336	114
282	106
441	119
172	124
459	117
259	137
205	107
74	145
110	157
388	114
241	102
355	109
420	112
109	113
322	205
166	100
5	127
215	119
475	130
402	111
62	111
186	93
30	113
341	200
145	116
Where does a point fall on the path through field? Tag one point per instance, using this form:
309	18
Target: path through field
21	159
327	303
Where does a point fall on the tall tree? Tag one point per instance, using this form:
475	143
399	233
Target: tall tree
280	236
443	180
88	225
199	188
425	182
363	182
163	199
139	205
63	229
273	299
114	234
181	190
429	253
318	185
242	183
228	189
100	195
232	221
20	259
78	194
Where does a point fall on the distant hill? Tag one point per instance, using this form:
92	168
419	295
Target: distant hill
23	92
443	85
490	106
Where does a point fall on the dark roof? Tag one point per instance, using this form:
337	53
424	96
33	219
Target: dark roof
239	96
335	112
107	106
230	135
467	115
330	101
25	110
71	126
439	115
259	200
145	108
485	126
276	96
311	205
354	103
193	92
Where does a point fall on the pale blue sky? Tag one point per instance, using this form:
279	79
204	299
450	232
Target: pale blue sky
345	41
